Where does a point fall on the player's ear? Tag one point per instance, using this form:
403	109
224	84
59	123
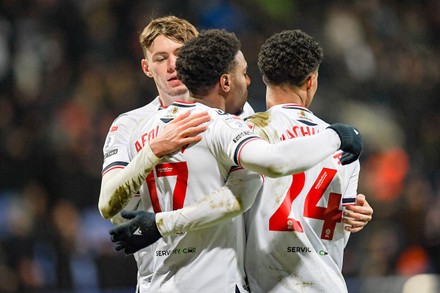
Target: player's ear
309	81
146	68
225	82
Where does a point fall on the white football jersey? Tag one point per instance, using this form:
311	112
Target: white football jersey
206	260
295	237
117	156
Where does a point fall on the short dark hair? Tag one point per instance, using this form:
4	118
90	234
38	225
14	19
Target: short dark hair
203	59
289	57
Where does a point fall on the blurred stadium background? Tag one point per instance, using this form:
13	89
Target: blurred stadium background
69	67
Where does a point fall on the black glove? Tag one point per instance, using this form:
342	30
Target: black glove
351	142
140	232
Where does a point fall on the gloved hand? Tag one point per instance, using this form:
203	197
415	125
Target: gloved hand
140	232
351	142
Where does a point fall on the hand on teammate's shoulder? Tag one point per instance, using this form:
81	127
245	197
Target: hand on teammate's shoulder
351	142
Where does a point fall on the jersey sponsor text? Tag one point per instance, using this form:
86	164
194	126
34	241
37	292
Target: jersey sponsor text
299	249
167	252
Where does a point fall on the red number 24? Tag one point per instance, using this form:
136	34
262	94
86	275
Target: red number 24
331	214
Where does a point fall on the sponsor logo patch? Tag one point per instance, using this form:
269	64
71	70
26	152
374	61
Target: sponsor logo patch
235	122
239	136
110	153
109	141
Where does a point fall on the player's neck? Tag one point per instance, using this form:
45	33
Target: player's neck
212	100
276	95
166	100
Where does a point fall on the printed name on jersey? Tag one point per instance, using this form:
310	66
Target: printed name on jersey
110	153
298	131
139	144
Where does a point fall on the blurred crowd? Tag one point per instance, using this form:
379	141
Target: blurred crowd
69	67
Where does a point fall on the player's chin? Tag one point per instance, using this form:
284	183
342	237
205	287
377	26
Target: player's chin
239	112
179	90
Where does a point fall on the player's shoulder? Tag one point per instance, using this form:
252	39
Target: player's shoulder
258	118
259	124
179	107
298	113
247	111
275	112
139	113
291	110
175	109
218	116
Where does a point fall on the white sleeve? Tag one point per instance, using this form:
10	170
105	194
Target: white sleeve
118	185
289	156
349	195
234	198
133	204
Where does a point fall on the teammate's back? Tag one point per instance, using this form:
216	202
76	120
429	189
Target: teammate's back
295	224
182	179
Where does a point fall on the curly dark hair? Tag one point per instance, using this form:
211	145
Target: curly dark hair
289	57
203	59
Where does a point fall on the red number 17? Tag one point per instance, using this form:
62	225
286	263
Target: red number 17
178	169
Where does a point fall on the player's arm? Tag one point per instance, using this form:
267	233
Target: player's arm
299	154
118	185
234	198
357	216
133	204
145	228
357	212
